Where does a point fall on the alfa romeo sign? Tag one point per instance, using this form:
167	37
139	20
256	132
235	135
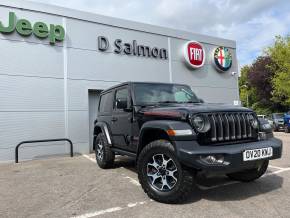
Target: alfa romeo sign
222	58
194	54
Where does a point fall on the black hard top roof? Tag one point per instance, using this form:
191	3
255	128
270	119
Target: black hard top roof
132	82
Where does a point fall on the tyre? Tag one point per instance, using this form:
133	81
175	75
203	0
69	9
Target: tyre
287	129
251	174
104	155
161	175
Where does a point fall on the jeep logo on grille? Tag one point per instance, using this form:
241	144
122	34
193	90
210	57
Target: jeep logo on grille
194	54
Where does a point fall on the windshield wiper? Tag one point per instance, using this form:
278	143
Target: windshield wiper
161	102
187	92
179	102
147	105
189	102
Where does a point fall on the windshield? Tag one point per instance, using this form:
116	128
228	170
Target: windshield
148	94
278	116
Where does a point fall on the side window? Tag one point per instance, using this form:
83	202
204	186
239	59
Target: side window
106	103
121	99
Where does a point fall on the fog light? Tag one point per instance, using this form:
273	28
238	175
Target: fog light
214	160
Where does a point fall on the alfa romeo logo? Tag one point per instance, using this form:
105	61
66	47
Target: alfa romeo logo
223	58
194	54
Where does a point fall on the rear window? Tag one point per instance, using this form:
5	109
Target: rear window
106	103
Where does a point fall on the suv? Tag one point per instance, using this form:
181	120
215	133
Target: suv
174	135
287	122
278	121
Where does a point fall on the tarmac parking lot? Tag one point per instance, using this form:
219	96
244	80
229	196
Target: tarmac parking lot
76	187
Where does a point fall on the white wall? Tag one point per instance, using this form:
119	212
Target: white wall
44	88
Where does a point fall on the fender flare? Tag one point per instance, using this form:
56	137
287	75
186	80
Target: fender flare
164	125
105	130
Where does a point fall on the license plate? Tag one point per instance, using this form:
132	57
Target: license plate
257	154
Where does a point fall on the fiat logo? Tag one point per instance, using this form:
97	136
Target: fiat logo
194	54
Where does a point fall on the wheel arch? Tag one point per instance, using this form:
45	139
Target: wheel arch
102	127
150	134
157	129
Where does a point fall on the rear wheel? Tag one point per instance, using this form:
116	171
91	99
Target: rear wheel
250	174
161	175
104	155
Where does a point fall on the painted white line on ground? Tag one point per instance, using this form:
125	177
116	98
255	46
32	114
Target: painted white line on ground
136	204
236	182
133	181
100	212
277	172
274	167
109	210
89	158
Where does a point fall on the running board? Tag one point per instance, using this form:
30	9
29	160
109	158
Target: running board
122	152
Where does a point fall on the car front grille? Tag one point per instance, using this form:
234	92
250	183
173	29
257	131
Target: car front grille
229	127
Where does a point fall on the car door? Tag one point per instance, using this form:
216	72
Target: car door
121	121
105	107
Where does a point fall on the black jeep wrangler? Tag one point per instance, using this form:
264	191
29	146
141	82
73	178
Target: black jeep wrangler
174	135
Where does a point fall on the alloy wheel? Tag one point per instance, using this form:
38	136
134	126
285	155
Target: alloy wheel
162	172
100	151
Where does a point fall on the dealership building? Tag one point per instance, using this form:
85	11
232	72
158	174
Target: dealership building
54	62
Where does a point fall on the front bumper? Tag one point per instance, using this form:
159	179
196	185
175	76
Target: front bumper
280	126
190	152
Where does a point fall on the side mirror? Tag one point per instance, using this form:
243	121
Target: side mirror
201	100
121	104
129	109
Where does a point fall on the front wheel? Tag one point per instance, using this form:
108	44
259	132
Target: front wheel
250	174
287	129
161	175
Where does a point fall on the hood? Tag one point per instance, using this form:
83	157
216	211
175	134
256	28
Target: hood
177	110
279	120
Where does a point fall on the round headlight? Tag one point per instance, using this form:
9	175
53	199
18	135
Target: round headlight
253	121
200	123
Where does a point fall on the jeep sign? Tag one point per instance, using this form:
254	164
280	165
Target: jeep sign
194	54
39	29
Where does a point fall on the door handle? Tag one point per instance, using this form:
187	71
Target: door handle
114	119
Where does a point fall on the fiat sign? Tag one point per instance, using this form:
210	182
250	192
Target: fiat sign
194	54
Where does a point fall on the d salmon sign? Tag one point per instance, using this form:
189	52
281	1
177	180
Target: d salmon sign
194	54
222	58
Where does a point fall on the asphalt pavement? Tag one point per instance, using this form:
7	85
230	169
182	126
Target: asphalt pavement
77	187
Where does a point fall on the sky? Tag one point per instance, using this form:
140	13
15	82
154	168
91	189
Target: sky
253	24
